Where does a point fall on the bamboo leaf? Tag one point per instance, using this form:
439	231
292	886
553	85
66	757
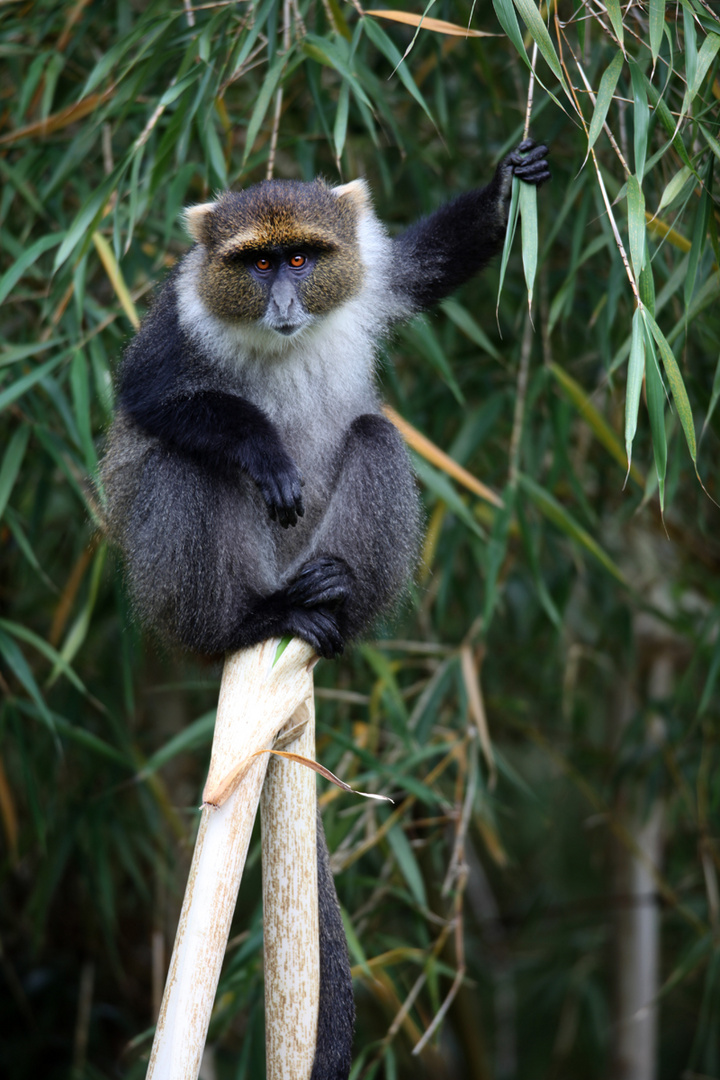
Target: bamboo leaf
341	121
408	864
548	505
657	26
529	235
22	385
28	258
615	13
636	372
677	386
674	187
513	212
20	668
636	224
382	42
641	119
507	18
11	462
604	98
533	20
655	392
595	420
262	104
469	326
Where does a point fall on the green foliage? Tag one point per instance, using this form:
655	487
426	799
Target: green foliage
565	601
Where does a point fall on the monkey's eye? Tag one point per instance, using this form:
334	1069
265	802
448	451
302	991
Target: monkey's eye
297	260
262	264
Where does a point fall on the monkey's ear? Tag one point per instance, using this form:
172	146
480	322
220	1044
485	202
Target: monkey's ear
197	220
357	194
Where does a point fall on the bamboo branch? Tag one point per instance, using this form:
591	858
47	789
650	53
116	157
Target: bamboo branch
288	811
257	695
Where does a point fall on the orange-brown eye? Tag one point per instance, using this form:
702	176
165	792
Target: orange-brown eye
262	263
298	260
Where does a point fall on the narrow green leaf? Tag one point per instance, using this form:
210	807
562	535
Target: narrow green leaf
699	235
22	352
533	20
655	393
336	55
20	668
20	386
262	104
441	487
657	26
636	224
494	554
88	217
11	277
548	505
80	385
11	462
674	187
714	396
507	18
386	46
707	54
595	420
533	555
424	340
529	235
668	122
408	864
341	121
604	98
46	650
677	386
615	13
711	141
636	371
513	211
194	737
641	119
469	326
691	56
78	631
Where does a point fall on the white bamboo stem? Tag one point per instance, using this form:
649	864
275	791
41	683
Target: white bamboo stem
257	695
288	808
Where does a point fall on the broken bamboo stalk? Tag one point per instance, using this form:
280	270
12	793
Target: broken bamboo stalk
288	810
258	693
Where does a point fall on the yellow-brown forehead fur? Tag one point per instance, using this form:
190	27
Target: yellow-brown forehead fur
279	214
276	213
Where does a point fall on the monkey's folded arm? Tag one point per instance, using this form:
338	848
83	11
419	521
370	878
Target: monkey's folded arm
227	433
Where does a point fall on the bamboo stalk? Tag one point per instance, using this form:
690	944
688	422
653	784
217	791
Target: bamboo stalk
288	810
257	695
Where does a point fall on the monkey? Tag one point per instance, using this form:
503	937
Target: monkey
251	480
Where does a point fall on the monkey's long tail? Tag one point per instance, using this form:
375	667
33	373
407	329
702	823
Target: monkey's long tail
336	1013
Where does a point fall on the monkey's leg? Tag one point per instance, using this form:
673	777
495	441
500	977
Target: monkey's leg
368	538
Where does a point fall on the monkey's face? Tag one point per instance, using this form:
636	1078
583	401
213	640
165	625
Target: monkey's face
281	254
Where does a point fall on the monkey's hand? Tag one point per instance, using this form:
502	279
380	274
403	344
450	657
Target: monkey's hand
315	596
280	483
528	162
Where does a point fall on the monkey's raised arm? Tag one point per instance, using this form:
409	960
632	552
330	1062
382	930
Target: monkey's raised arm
440	252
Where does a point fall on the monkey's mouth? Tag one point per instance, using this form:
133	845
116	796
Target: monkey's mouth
286	329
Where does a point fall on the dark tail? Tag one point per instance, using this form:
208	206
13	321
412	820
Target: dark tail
336	1015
